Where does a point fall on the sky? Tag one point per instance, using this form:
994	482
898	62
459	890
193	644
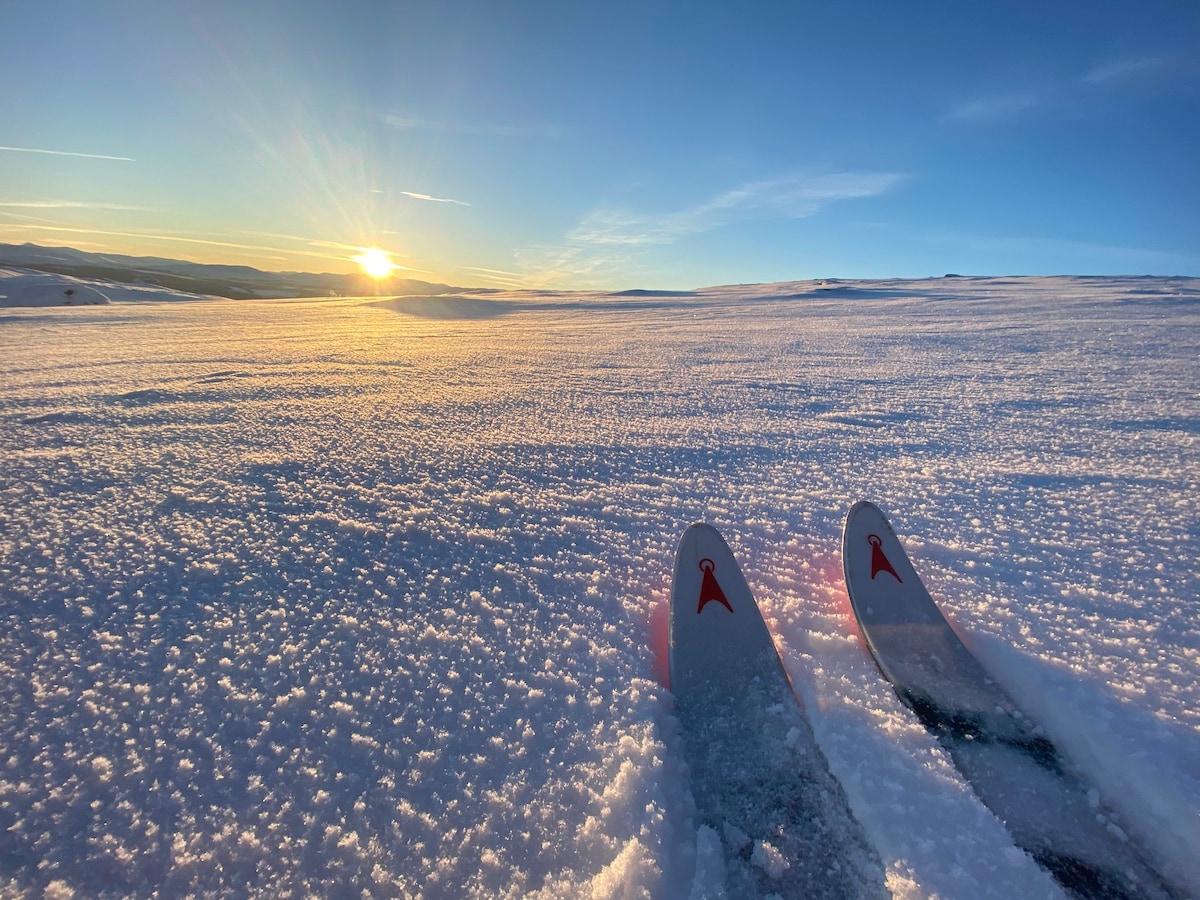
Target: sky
609	145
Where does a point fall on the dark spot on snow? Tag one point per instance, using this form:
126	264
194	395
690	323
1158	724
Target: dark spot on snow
60	417
144	397
1084	879
959	725
215	377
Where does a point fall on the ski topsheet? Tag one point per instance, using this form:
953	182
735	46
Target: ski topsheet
1014	769
780	823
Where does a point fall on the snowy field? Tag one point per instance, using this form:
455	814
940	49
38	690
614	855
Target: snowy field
367	598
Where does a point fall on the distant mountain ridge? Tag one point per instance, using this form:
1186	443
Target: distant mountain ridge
234	282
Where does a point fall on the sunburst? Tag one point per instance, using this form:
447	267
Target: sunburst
376	263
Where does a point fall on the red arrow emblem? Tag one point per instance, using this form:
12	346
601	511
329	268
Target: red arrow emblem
879	562
709	589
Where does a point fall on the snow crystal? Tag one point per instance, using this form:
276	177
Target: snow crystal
769	859
311	598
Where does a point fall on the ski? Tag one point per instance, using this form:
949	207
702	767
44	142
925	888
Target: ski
1014	769
780	821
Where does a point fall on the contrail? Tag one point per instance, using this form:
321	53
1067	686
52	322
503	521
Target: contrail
66	153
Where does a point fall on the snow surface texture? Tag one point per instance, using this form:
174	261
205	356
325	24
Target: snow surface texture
342	598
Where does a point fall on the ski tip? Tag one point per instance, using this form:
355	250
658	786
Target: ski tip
861	513
698	529
862	505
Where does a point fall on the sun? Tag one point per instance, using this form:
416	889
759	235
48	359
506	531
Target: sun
376	263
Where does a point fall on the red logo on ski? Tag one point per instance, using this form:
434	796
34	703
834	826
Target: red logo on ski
879	562
709	589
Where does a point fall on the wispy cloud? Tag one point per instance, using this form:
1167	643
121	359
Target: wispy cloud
997	108
793	196
611	243
70	204
66	153
1121	71
427	197
500	277
1054	94
557	265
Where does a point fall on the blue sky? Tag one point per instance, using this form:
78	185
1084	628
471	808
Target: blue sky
610	145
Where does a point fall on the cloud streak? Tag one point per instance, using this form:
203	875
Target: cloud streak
428	198
993	109
66	153
1053	95
70	204
1124	70
500	277
795	196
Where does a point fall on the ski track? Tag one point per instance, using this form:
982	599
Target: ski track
349	598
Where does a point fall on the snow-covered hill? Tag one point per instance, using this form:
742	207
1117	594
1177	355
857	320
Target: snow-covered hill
345	598
198	279
26	288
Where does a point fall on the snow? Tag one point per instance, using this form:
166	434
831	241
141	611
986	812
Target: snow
21	288
338	597
26	288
